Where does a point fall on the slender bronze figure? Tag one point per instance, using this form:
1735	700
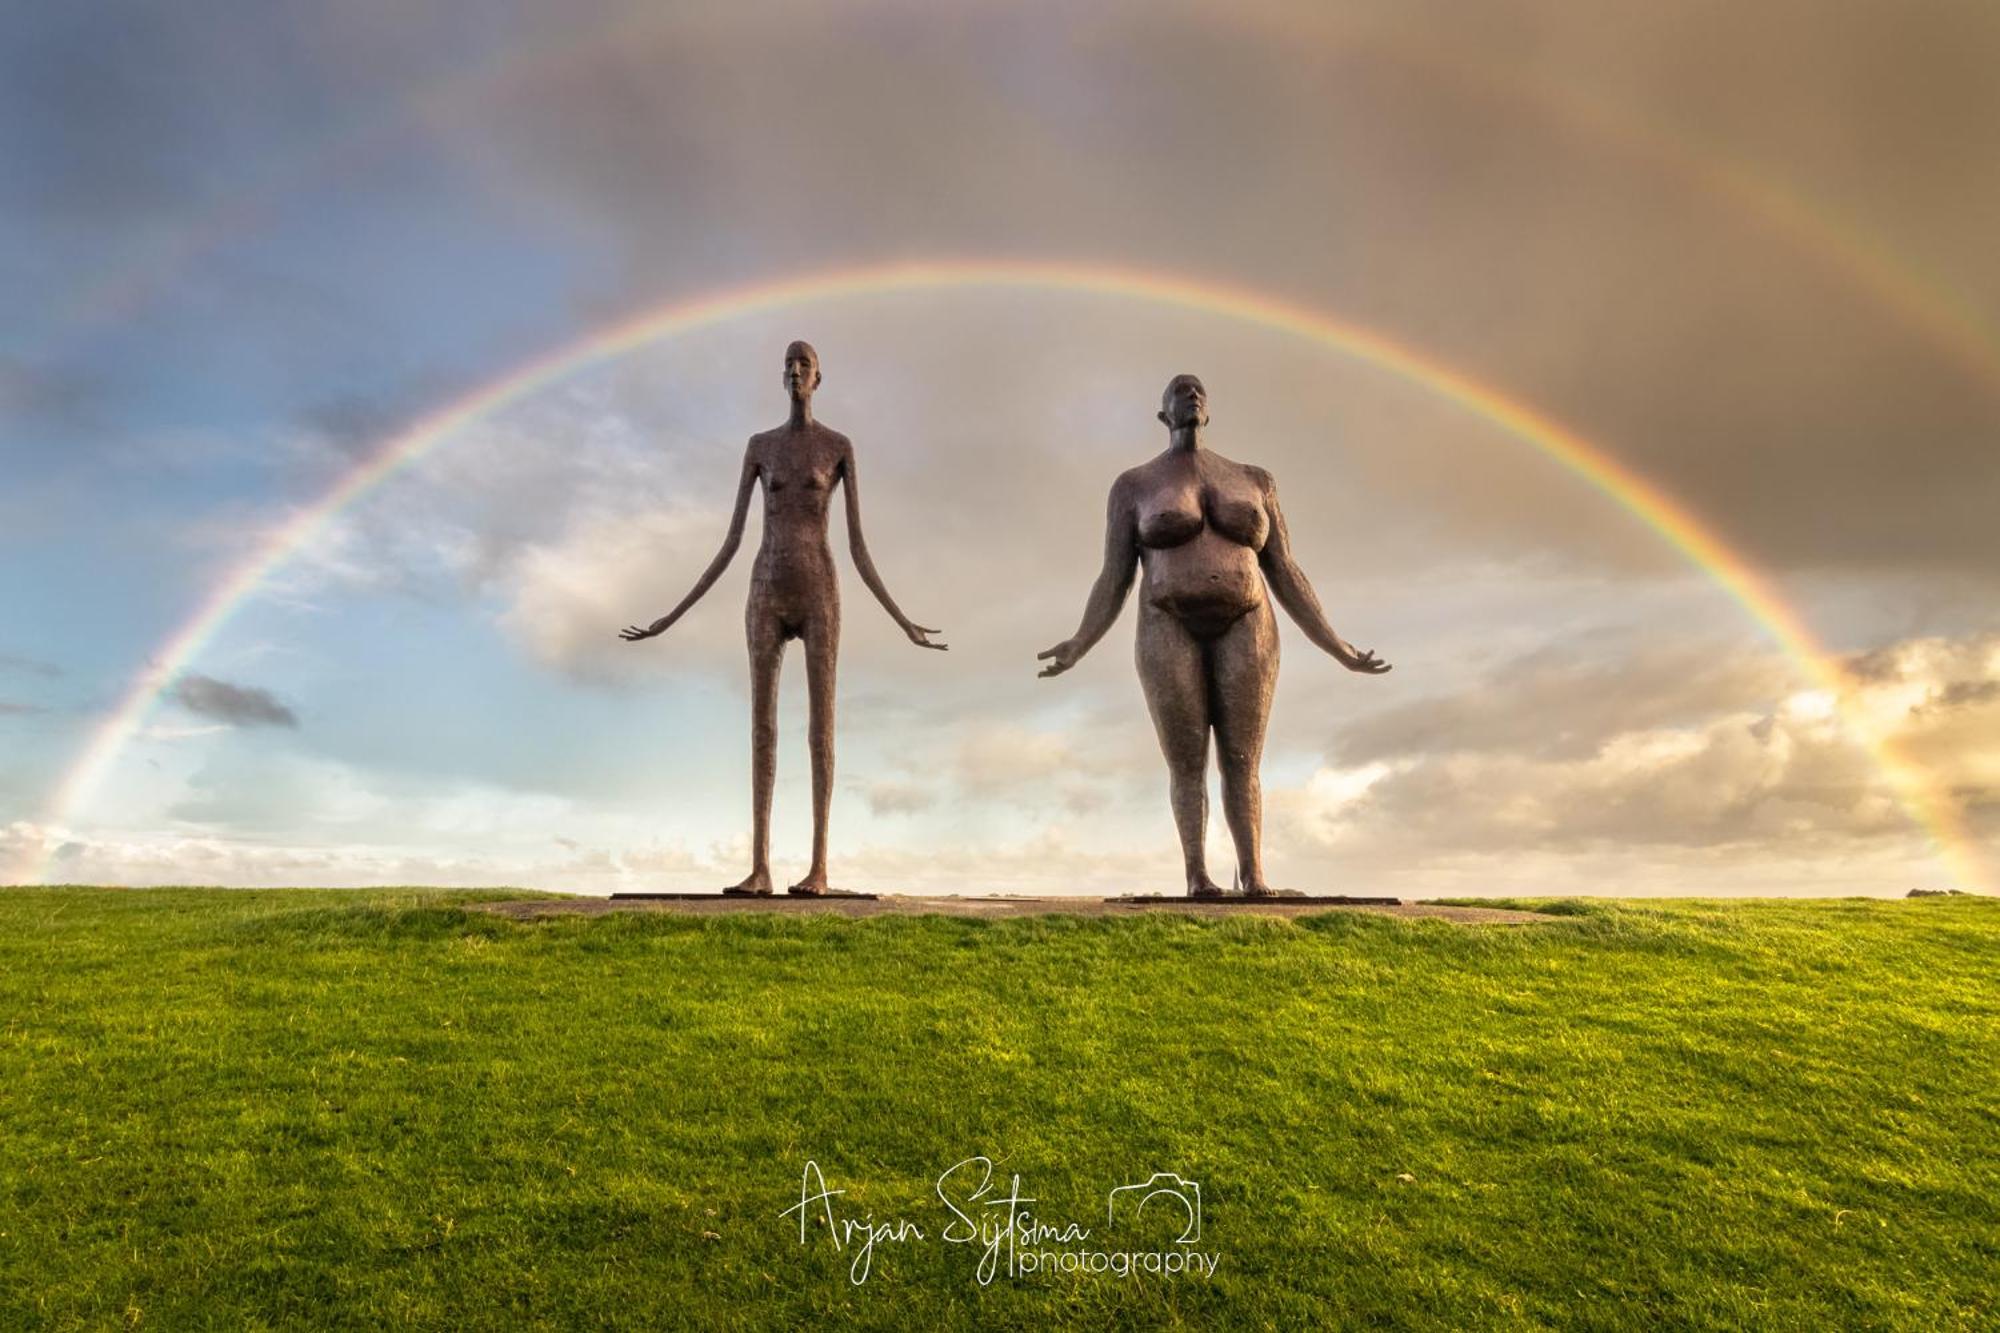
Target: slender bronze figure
1202	528
794	594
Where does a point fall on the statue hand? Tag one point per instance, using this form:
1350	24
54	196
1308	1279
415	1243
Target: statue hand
632	633
1366	663
917	635
1065	655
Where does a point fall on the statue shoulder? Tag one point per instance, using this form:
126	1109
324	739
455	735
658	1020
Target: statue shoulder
1259	477
1130	484
1256	477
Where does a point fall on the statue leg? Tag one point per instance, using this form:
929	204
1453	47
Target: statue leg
822	645
1243	667
767	653
1176	684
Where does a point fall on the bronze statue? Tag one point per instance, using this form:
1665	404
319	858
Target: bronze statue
1202	527
794	594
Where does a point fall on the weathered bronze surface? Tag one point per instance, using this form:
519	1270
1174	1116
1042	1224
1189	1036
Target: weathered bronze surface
1209	537
794	594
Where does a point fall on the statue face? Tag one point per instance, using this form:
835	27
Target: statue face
801	370
1185	403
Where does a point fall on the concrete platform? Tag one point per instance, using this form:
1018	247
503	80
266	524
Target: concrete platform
897	904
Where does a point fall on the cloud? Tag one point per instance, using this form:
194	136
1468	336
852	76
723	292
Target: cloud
1939	699
236	705
569	598
1704	765
898	798
1001	758
1054	858
1563	700
218	859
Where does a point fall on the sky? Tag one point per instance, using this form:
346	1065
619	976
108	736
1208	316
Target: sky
1742	253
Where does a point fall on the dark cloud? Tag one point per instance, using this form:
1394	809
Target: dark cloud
353	423
30	666
359	421
47	395
10	664
1963	694
237	705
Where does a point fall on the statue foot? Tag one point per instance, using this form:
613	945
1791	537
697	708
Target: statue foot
1259	889
758	885
812	886
1204	887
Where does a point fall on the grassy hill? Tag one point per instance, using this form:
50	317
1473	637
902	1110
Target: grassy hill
237	1109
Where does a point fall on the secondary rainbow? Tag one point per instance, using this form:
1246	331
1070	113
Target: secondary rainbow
1924	302
1930	808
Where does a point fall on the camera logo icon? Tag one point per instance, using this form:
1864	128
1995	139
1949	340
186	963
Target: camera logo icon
1180	1193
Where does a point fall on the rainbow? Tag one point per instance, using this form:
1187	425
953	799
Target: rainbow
1930	808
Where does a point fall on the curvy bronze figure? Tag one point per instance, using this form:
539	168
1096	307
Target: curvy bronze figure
794	594
1202	527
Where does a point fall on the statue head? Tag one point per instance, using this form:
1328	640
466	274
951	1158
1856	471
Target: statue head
801	370
1185	403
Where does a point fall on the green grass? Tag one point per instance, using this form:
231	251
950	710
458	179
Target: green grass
236	1109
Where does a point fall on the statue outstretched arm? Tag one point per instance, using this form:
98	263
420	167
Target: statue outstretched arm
632	633
1107	595
1288	583
857	545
